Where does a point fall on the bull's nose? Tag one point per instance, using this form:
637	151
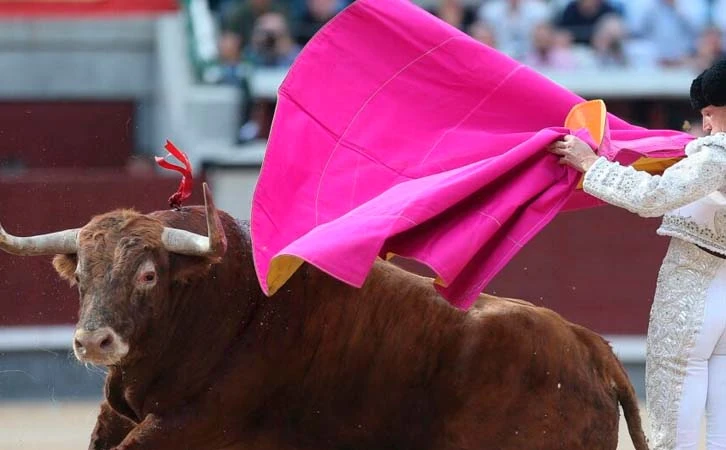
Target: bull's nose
94	343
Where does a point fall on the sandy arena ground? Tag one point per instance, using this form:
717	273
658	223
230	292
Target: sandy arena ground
67	426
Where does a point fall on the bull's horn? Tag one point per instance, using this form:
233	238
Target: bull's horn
188	243
61	242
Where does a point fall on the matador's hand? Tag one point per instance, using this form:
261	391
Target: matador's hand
575	152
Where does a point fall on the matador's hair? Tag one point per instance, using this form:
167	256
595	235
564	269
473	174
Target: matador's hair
709	88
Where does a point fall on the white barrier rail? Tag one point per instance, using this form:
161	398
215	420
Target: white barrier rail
629	348
621	83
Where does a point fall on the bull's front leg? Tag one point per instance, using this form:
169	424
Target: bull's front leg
196	432
111	428
151	433
175	431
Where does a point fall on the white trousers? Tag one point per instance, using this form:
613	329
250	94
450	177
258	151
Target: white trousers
686	367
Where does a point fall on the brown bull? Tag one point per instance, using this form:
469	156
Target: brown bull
199	358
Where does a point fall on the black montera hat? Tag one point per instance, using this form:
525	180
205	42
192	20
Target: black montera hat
709	88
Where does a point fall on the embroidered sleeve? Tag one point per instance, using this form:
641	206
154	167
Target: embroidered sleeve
699	174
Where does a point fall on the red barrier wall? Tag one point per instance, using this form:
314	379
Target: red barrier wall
66	133
71	8
596	267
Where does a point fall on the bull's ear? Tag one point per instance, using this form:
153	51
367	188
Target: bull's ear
185	269
65	265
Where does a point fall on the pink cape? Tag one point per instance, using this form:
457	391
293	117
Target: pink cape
397	134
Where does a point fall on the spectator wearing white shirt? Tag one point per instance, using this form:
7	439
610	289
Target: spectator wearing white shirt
513	22
609	42
551	49
671	27
709	49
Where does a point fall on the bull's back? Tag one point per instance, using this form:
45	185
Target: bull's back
511	373
534	382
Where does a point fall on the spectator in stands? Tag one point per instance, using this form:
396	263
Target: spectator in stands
240	20
717	14
455	12
551	49
609	42
482	32
513	22
314	16
272	44
709	49
230	49
580	16
667	25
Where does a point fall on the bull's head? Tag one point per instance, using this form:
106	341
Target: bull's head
121	263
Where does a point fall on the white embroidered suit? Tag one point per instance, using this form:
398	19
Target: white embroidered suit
691	287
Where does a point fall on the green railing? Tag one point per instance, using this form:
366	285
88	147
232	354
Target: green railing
200	32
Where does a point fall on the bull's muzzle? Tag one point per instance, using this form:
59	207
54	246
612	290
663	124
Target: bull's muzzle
99	346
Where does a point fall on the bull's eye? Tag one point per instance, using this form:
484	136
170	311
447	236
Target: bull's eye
146	274
78	279
147	277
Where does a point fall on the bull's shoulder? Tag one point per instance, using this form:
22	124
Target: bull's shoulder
387	275
487	299
487	305
392	270
512	312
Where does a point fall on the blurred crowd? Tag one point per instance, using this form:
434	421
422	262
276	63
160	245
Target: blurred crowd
556	34
544	34
267	33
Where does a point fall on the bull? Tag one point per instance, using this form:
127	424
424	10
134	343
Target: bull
200	358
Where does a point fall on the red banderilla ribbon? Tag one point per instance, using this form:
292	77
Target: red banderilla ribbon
185	187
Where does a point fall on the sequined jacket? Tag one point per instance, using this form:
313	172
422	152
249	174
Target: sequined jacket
689	195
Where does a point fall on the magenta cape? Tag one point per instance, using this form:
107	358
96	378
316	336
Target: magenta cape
395	133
